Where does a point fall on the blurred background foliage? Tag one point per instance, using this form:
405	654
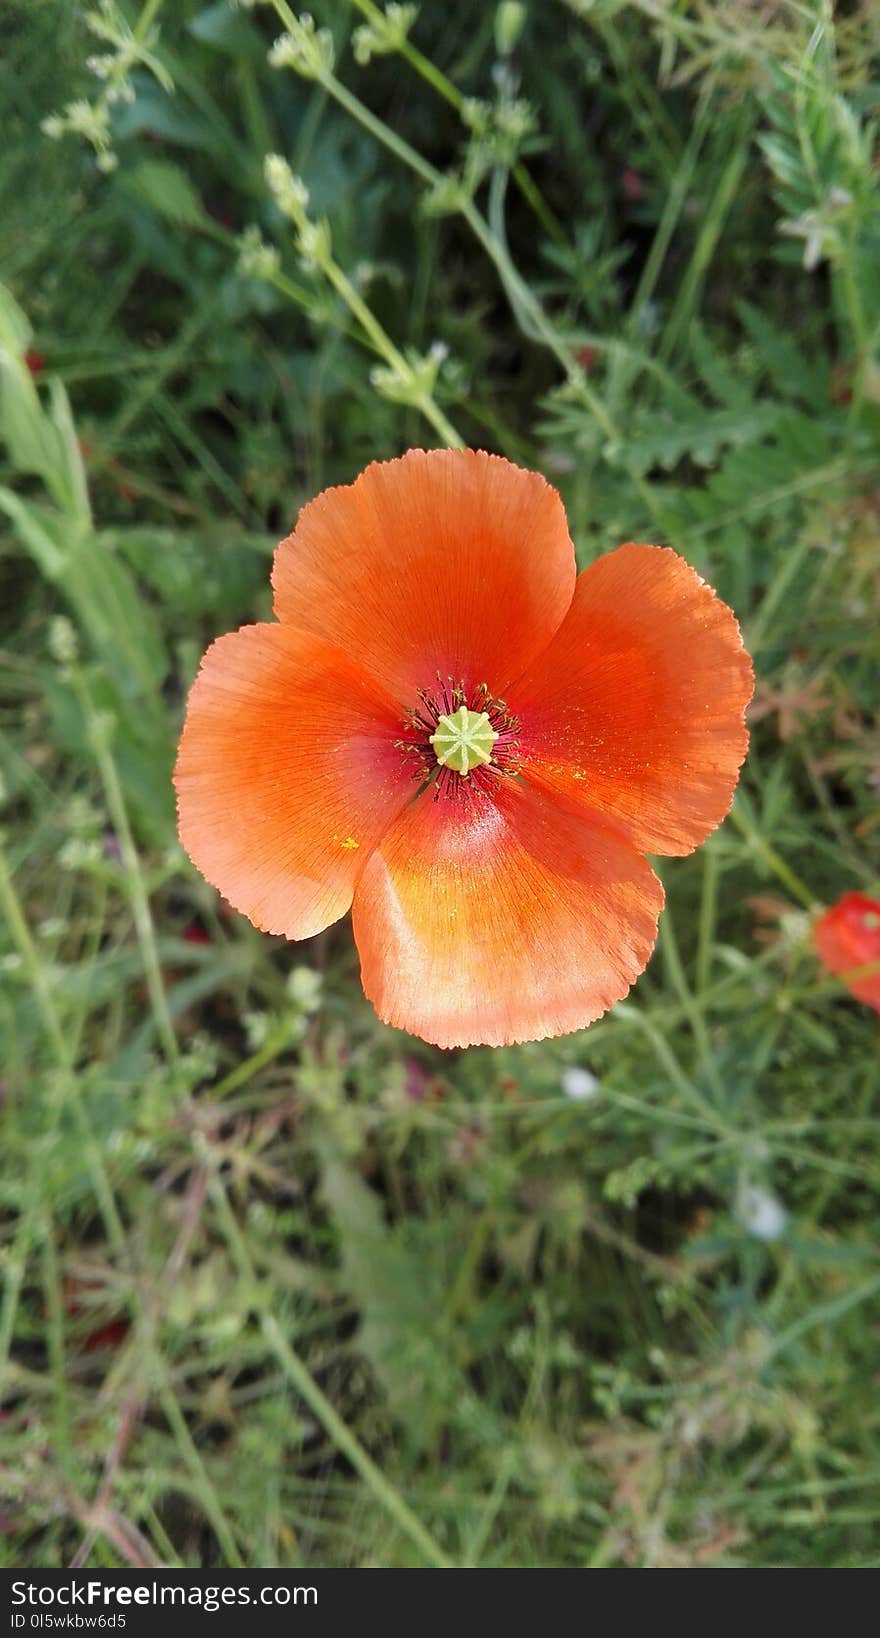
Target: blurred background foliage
281	1286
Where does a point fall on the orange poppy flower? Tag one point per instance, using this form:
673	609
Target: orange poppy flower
453	732
847	937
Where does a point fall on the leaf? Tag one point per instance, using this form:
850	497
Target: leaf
193	574
15	329
724	383
163	117
793	374
165	188
43	532
400	1302
27	431
664	440
226	29
62	420
39	442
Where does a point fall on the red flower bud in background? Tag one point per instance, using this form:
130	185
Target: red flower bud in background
631	184
847	937
34	361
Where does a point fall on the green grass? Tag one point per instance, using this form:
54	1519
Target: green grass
283	1287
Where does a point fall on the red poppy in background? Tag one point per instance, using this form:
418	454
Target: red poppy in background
453	732
631	183
847	937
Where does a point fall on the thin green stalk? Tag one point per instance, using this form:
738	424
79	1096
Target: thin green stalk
55	1342
100	1181
526	307
145	20
253	108
387	350
707	238
137	893
249	1067
645	101
432	75
530	312
444	87
202	1479
825	1313
825	1191
346	1442
461	1295
686	1087
772	859
301	1379
692	1007
494	1504
662	239
707	918
167	364
14	1268
69	1083
785	574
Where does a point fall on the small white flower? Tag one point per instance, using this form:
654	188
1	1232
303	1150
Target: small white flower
62	640
52	927
256	1028
289	192
580	1084
761	1214
256	259
304	987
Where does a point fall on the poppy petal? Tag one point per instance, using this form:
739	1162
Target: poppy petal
286	776
507	920
848	936
444	560
636	709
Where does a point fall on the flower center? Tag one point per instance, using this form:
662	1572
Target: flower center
460	740
463	740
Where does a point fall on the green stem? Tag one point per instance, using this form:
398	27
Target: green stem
527	309
438	81
777	589
461	1296
15	1264
824	1313
692	1009
707	239
706	924
385	347
301	1379
672	210
771	858
144	22
69	1085
670	1064
201	1478
55	1343
346	1442
136	887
